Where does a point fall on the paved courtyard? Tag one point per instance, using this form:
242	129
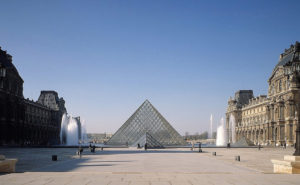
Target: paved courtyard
132	166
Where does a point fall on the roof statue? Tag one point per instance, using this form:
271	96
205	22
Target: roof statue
146	125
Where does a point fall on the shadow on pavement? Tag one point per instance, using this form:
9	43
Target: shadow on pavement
88	162
112	152
74	165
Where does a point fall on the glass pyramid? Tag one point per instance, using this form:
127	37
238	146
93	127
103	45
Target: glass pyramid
146	125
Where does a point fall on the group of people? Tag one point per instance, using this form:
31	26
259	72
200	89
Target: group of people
145	146
199	146
92	148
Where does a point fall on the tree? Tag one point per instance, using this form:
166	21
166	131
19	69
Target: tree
204	135
214	136
187	134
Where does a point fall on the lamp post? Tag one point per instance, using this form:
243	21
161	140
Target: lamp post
295	79
297	144
295	87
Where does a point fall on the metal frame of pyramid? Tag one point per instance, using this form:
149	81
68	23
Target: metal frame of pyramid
146	120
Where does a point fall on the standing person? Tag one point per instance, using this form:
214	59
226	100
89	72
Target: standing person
80	150
90	147
146	146
200	150
193	145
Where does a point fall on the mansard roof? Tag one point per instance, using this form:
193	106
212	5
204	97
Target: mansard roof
285	59
5	59
288	55
6	62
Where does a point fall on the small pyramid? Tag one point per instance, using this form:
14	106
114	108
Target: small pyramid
243	142
146	124
147	138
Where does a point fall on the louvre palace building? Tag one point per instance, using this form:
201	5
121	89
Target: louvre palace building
269	119
24	121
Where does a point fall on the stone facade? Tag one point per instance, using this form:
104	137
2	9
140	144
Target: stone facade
270	119
22	121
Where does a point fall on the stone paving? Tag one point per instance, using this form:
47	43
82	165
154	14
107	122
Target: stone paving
131	166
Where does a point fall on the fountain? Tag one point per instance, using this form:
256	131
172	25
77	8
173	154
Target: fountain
232	129
221	134
84	138
211	125
72	130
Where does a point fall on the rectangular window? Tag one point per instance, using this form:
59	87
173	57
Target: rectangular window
2	72
9	86
291	133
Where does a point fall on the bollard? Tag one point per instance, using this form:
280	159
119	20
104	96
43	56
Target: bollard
214	153
238	158
228	145
54	157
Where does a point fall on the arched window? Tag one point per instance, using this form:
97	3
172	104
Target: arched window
280	85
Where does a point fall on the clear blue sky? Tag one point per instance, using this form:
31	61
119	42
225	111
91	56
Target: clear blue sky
187	57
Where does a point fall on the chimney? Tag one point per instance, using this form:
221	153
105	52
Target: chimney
280	56
9	57
297	46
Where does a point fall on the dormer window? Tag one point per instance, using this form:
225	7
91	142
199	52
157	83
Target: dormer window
2	72
9	86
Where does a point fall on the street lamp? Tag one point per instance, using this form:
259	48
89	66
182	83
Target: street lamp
297	144
295	79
